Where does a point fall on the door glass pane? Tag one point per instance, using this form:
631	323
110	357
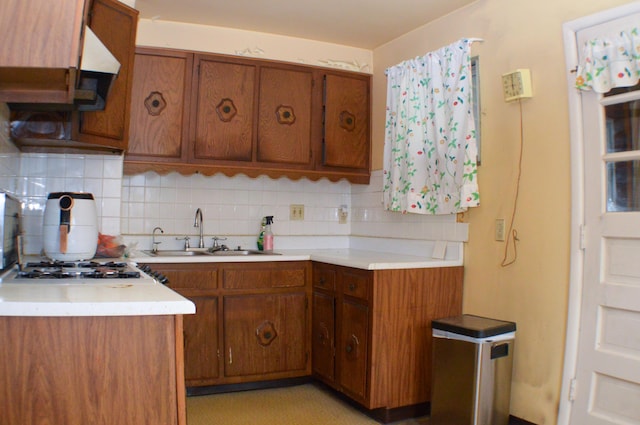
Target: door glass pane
623	126
623	186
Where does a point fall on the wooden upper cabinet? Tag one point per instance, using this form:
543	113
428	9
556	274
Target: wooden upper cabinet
346	126
40	49
224	104
160	104
284	118
236	115
115	25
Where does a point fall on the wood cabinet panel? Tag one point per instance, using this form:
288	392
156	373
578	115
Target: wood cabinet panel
201	356
252	321
57	46
352	350
383	330
284	116
356	283
406	301
265	275
90	370
115	24
346	126
257	117
224	103
40	51
194	279
323	334
160	104
324	277
264	334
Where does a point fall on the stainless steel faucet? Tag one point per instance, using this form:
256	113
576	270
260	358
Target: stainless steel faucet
198	223
153	240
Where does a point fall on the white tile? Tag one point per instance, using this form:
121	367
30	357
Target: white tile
112	188
74	168
113	167
136	209
73	184
110	226
93	186
94	167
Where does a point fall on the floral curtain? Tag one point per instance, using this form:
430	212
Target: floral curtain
430	152
610	62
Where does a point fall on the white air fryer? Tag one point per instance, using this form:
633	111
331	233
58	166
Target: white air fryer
70	226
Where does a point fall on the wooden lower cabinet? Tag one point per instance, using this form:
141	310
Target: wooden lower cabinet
264	334
201	341
252	321
371	336
102	370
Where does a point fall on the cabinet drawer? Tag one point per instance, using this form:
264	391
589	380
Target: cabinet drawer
324	278
269	275
188	276
356	284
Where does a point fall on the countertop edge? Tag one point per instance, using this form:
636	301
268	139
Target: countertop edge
360	259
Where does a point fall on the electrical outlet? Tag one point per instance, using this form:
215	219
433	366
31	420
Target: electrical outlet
343	213
500	229
517	85
296	212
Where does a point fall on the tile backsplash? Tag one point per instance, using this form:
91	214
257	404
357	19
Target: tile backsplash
232	206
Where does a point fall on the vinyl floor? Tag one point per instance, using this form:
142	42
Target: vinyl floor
306	404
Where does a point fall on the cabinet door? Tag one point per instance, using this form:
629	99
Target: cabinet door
323	337
40	50
224	110
201	341
115	25
346	127
284	118
265	334
159	105
353	349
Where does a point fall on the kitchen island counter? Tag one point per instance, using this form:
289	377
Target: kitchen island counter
91	299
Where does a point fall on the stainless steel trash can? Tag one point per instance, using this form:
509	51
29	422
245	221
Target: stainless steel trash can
471	374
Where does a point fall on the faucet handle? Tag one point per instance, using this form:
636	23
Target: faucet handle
186	242
215	241
155	246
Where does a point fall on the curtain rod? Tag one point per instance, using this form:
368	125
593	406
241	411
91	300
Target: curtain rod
470	40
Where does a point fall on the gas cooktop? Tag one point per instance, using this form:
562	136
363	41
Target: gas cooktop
75	272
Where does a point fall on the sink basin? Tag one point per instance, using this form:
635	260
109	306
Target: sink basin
192	253
176	253
242	252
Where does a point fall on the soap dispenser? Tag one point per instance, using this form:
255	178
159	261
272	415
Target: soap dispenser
268	235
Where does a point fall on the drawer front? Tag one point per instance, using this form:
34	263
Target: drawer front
188	276
324	278
271	275
357	285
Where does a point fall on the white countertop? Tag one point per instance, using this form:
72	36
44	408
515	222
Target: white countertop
144	297
361	259
103	298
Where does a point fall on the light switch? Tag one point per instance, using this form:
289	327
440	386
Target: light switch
517	85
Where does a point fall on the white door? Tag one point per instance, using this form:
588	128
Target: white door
607	375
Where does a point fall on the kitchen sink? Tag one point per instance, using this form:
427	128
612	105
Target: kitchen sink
241	252
221	252
176	253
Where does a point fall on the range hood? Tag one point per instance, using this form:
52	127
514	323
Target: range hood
98	70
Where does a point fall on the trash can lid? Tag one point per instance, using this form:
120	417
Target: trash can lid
473	326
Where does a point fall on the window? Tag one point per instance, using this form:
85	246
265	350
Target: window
475	78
